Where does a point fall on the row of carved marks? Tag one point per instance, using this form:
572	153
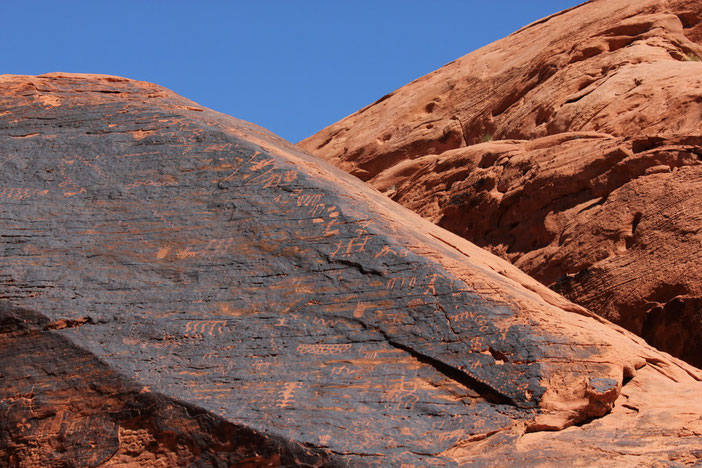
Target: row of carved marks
81	412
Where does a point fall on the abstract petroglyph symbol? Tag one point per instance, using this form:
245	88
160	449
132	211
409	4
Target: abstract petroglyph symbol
273	180
344	370
481	321
467	315
289	176
431	287
401	282
324	322
406	402
329	232
309	199
313	201
388	250
371	354
202	327
220	245
394	316
401	393
477	343
151	183
25	400
323	349
213	246
360	310
163	252
17	193
262	164
186	253
261	365
352	246
286	395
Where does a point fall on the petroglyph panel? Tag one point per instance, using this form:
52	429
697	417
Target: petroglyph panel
206	262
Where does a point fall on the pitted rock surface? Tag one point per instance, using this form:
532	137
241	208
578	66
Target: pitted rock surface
187	288
572	148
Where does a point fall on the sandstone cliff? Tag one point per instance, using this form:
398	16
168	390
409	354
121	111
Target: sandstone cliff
188	289
572	148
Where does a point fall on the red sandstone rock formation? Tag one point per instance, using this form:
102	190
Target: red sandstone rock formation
572	148
189	289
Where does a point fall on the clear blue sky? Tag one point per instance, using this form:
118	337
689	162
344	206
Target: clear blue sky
292	66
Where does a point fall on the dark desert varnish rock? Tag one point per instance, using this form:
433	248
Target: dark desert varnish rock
186	288
572	148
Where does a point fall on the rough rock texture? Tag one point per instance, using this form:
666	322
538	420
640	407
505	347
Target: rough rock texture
595	185
188	289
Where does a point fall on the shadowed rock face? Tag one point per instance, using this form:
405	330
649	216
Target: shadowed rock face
187	288
572	148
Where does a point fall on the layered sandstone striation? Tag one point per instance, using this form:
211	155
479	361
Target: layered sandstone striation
185	288
572	148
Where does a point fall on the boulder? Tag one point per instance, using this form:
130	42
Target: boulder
185	288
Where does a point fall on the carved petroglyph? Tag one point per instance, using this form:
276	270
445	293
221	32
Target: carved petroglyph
219	246
406	402
388	250
313	202
481	321
261	365
309	199
345	370
360	310
477	343
472	317
323	349
467	315
289	176
205	327
431	286
70	187
346	248
321	321
25	400
212	247
262	164
151	183
187	252
285	396
329	231
401	388
394	317
401	282
16	193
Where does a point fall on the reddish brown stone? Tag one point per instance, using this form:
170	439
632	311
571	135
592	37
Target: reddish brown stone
572	148
189	289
